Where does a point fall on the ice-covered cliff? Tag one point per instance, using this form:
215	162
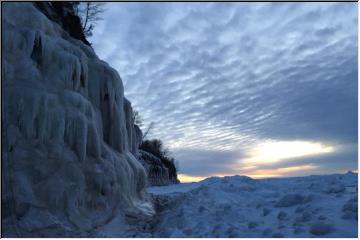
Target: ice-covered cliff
68	133
158	174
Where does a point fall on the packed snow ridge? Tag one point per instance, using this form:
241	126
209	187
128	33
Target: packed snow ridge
238	206
69	139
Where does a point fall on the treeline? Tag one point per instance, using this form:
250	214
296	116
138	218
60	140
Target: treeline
155	147
76	18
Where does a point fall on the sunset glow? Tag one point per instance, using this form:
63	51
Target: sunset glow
274	151
280	172
186	178
258	174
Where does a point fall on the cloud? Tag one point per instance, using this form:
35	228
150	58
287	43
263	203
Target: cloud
340	161
207	162
216	76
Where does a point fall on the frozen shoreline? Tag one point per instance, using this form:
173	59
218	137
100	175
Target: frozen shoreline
313	206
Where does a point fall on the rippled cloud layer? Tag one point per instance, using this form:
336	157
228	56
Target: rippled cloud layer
218	79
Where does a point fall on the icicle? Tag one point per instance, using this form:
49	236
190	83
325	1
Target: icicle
68	118
36	54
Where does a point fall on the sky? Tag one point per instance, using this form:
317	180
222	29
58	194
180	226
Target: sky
256	89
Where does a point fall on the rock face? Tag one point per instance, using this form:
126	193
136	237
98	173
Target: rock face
68	133
62	13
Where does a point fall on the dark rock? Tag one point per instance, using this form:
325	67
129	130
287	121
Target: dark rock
63	14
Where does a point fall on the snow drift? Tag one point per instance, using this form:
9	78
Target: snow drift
69	137
238	206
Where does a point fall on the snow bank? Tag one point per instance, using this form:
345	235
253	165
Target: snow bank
242	207
69	137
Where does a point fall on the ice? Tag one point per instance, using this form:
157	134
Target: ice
157	172
69	166
243	207
69	135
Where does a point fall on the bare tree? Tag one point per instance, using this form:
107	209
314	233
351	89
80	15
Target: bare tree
89	13
148	130
138	120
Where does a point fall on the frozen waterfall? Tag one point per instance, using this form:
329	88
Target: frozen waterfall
68	133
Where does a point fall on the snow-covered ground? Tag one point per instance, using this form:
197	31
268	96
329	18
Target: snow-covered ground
313	206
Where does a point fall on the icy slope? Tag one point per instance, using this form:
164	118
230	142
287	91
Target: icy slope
314	206
69	137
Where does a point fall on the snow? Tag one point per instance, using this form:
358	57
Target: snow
313	206
69	139
69	167
183	187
